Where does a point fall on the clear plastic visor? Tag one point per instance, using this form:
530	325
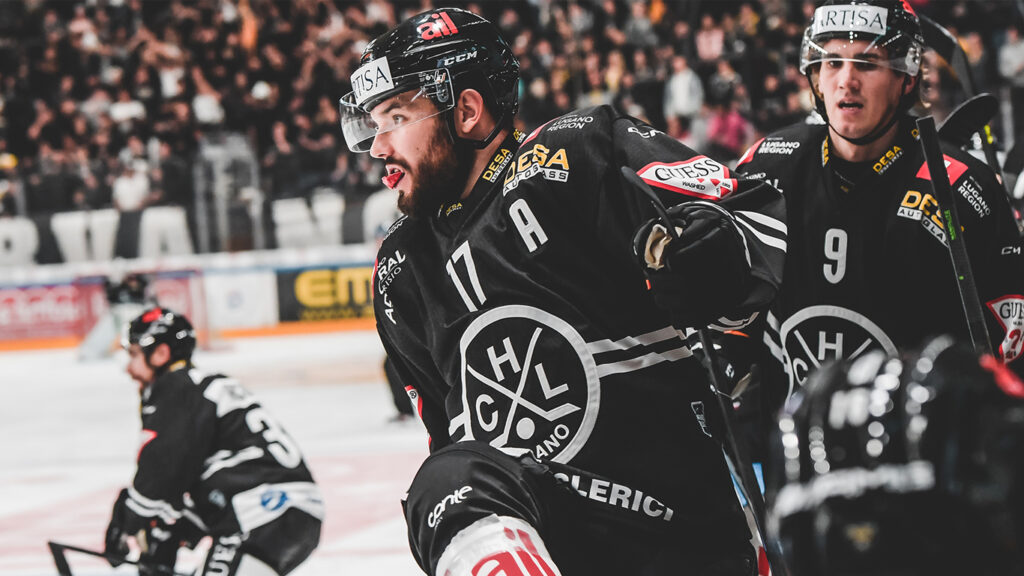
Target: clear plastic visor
416	97
864	53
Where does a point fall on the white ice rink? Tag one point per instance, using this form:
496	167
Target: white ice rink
69	433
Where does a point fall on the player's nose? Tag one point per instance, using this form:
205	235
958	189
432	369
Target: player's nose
847	76
381	147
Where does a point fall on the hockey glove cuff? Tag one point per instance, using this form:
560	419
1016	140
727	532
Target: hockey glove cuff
700	274
158	549
114	543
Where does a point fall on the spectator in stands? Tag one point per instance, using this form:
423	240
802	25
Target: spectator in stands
684	93
126	110
1011	68
639	31
979	60
131	187
729	133
209	114
175	70
282	163
772	105
723	82
175	178
710	43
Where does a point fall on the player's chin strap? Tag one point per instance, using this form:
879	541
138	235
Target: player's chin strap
504	121
170	366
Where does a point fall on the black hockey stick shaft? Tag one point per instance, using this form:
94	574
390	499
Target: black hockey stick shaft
64	569
744	466
954	236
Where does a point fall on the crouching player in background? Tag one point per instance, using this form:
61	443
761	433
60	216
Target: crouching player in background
906	466
212	462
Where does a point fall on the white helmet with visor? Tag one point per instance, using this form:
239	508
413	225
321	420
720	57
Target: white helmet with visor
890	25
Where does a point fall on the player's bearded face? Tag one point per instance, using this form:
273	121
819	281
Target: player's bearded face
423	164
138	367
439	177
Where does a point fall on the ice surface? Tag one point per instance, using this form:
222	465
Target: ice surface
69	434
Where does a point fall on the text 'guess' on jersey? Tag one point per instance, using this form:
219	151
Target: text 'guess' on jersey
699	176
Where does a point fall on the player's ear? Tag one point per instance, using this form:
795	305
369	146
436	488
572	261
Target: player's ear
470	114
909	87
161	355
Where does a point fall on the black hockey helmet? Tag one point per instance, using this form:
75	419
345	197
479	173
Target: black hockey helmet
891	25
158	326
439	53
912	466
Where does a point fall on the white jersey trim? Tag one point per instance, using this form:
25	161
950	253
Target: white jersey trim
644	361
265	503
149	508
764	238
225	459
659	335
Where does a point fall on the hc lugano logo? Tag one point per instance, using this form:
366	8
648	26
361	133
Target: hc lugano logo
818	334
529	384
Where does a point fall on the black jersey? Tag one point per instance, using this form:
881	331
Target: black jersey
521	317
211	454
868	265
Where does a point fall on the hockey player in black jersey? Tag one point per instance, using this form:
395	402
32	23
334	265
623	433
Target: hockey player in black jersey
212	461
868	264
534	306
908	466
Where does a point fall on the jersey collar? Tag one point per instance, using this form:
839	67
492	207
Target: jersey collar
853	174
454	211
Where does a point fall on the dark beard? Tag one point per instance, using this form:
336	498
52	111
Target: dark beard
441	176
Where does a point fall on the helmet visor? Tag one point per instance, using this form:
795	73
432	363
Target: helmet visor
365	116
885	46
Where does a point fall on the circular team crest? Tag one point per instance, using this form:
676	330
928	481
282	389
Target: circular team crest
529	384
818	334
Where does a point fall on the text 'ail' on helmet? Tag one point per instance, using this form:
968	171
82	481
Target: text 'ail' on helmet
908	466
437	53
891	25
158	326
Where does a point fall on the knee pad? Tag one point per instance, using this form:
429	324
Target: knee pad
496	546
459	485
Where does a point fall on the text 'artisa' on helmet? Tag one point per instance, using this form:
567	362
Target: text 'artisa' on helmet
438	54
158	326
908	466
889	25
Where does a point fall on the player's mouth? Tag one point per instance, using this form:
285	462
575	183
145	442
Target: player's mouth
394	175
850	105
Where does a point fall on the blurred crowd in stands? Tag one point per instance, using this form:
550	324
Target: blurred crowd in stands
105	102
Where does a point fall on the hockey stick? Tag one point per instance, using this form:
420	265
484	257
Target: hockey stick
741	463
957	246
968	119
64	569
946	45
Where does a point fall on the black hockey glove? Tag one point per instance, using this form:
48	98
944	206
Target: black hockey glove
736	354
114	544
698	276
158	547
